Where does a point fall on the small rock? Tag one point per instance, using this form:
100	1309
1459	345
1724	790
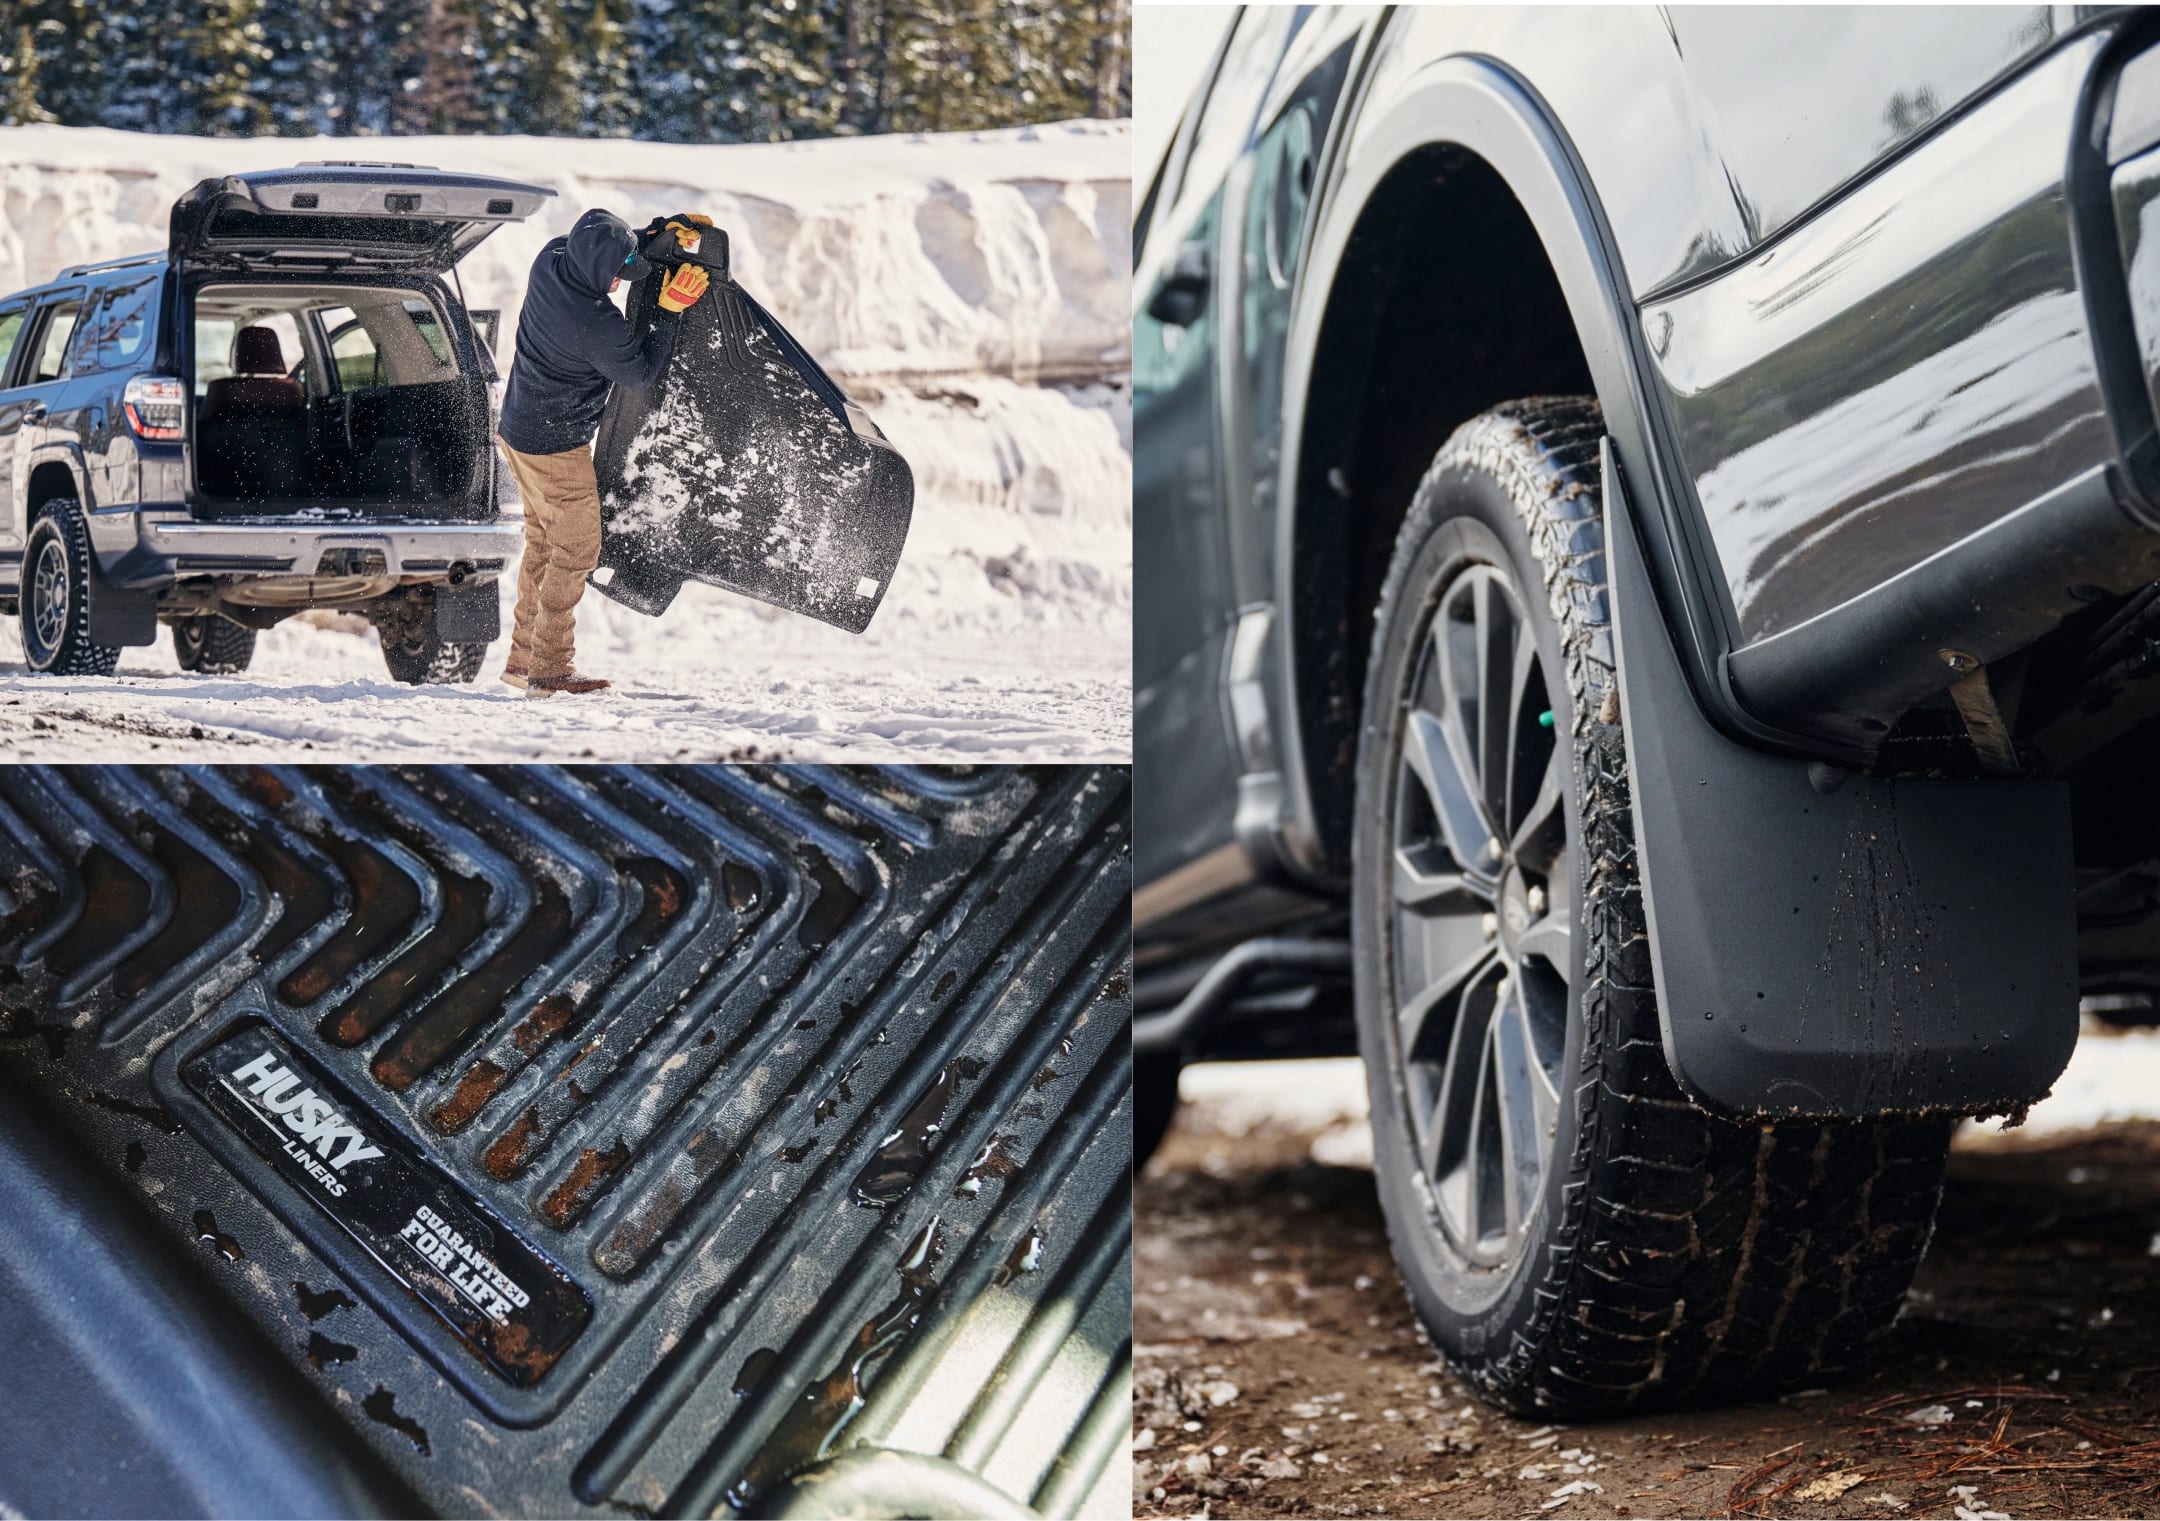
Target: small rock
1279	1468
1831	1485
1930	1415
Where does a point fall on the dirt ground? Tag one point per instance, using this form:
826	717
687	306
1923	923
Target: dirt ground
1281	1372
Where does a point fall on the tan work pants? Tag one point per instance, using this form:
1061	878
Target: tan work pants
562	545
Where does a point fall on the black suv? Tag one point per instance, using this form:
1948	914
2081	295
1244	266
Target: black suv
288	408
1648	525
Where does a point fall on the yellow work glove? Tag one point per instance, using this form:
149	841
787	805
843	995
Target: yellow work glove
683	288
689	229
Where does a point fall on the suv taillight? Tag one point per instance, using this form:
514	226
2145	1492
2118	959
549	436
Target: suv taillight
154	406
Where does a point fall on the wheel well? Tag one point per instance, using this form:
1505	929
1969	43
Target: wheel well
47	481
1444	305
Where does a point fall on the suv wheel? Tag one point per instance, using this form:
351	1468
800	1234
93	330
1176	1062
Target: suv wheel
212	646
1578	1237
415	653
55	597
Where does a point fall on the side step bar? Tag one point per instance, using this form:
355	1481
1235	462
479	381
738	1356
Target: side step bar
1177	1027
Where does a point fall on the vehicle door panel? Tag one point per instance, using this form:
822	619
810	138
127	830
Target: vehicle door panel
39	381
1275	203
13	319
1181	732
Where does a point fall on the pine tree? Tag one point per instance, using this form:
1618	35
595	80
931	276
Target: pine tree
296	81
671	70
607	98
19	81
70	43
219	53
442	93
551	83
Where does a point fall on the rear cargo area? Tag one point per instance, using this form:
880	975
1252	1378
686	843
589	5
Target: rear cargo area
333	395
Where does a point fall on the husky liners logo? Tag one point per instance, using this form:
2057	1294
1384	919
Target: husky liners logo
506	1302
316	1121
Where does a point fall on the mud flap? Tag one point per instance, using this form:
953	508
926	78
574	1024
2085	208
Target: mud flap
745	467
1826	943
469	614
121	615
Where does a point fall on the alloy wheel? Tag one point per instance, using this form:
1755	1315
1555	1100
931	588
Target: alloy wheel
1481	908
49	596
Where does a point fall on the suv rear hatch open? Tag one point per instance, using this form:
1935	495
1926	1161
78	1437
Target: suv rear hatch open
345	217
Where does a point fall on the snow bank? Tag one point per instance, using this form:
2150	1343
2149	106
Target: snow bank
1001	253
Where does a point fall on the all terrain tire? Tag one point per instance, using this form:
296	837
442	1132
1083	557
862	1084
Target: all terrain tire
55	596
1579	1238
212	646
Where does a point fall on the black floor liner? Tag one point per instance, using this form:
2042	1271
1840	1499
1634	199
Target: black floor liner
789	1110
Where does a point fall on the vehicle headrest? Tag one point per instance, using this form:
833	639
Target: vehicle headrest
256	351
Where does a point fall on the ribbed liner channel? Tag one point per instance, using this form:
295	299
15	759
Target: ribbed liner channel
815	1081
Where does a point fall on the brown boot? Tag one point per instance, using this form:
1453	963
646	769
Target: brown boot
572	684
515	676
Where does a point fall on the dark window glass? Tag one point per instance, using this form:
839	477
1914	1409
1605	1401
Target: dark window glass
57	327
118	333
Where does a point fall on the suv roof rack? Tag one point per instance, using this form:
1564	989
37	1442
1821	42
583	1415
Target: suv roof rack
360	163
124	261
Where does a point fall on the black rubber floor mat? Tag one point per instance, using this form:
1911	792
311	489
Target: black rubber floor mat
598	1140
746	466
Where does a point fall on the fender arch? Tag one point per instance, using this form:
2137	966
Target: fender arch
1479	106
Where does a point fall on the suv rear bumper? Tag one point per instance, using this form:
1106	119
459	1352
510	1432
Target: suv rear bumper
164	549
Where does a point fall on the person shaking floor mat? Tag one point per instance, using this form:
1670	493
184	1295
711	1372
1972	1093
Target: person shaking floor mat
743	464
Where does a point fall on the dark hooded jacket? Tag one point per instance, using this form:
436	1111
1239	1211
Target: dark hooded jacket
571	342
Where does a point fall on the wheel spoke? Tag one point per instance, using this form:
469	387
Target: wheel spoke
1434	756
1518	1124
1485	1156
1496	640
1541	1007
1522	739
1420	889
1548	940
1414	1018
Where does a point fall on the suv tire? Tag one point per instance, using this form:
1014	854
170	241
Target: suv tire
212	646
1155	1101
1579	1238
55	596
415	653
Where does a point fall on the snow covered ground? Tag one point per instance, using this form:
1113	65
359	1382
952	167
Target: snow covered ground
970	289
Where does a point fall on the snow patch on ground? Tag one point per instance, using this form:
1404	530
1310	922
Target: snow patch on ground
2113	1076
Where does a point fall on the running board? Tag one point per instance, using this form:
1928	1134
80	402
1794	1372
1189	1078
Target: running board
1827	943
